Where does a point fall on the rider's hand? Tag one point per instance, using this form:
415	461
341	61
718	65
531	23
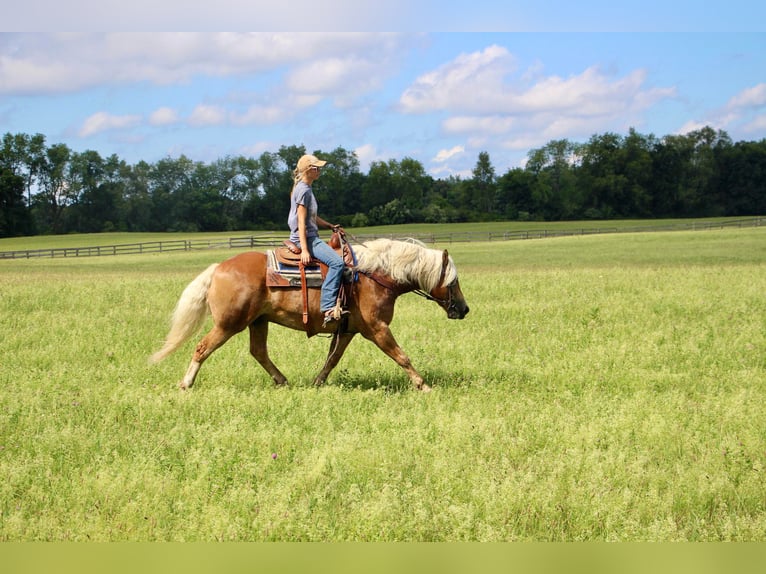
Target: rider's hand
305	257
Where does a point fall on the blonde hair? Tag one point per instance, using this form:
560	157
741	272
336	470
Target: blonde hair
297	177
406	262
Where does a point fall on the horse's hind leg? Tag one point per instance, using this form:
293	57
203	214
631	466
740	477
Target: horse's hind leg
337	347
259	332
209	343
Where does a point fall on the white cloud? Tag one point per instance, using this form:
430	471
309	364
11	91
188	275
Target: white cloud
758	124
342	78
103	121
271	110
163	117
446	154
57	63
207	115
366	154
482	83
754	97
491	103
483	124
260	115
258	148
470	82
740	113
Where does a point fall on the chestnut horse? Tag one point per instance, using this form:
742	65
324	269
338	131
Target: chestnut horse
236	294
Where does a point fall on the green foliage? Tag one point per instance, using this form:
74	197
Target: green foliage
699	174
14	218
602	388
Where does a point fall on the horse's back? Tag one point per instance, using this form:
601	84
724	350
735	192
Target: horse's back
245	259
246	269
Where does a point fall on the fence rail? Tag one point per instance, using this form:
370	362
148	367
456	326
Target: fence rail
266	241
249	242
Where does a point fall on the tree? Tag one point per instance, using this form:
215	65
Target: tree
637	167
554	192
379	187
742	178
14	216
137	197
688	174
54	193
95	201
514	193
169	184
700	173
24	156
482	187
392	213
339	189
405	181
276	184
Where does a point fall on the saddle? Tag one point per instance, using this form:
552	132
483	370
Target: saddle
284	269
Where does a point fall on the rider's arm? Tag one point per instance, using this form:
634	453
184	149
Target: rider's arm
305	252
324	224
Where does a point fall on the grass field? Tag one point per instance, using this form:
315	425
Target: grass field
602	388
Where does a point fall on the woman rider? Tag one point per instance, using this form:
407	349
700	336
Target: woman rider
304	232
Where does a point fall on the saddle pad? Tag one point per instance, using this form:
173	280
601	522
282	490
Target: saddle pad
280	275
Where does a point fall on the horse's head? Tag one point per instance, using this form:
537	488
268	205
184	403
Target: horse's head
449	296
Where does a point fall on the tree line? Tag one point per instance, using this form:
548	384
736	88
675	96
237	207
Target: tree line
48	189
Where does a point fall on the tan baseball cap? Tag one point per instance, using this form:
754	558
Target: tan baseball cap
308	161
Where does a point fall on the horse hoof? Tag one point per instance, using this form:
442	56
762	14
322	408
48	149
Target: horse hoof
424	388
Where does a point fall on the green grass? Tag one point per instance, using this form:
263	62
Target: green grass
602	388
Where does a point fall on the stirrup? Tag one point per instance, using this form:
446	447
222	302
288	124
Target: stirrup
329	317
333	314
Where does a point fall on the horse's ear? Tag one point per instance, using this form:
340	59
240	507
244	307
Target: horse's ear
445	258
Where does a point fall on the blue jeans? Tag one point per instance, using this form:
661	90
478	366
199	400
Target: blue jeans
327	255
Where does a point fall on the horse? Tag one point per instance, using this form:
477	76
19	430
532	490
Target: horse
236	294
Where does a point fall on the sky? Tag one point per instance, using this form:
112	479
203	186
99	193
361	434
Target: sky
424	80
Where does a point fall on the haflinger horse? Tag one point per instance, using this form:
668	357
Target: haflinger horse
236	294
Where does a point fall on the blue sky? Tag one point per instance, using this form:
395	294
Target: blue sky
439	89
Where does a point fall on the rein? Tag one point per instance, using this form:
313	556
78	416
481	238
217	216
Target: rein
449	302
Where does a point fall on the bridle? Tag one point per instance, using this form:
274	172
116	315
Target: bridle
449	303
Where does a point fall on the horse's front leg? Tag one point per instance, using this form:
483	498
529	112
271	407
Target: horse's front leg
337	348
385	341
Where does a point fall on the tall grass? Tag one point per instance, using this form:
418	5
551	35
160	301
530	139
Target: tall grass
602	388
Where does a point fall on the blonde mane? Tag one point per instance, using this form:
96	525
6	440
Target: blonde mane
405	262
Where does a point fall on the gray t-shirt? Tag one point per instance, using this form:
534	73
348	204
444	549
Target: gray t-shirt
302	195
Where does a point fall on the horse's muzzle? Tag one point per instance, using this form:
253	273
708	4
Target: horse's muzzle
457	312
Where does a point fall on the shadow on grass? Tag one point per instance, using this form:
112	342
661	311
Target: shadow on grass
396	382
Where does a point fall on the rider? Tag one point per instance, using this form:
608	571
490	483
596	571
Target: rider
304	232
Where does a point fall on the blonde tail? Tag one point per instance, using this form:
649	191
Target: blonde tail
189	314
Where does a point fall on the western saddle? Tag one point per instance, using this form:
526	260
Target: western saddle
286	270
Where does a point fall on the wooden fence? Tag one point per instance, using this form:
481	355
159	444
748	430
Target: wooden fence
250	242
267	241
